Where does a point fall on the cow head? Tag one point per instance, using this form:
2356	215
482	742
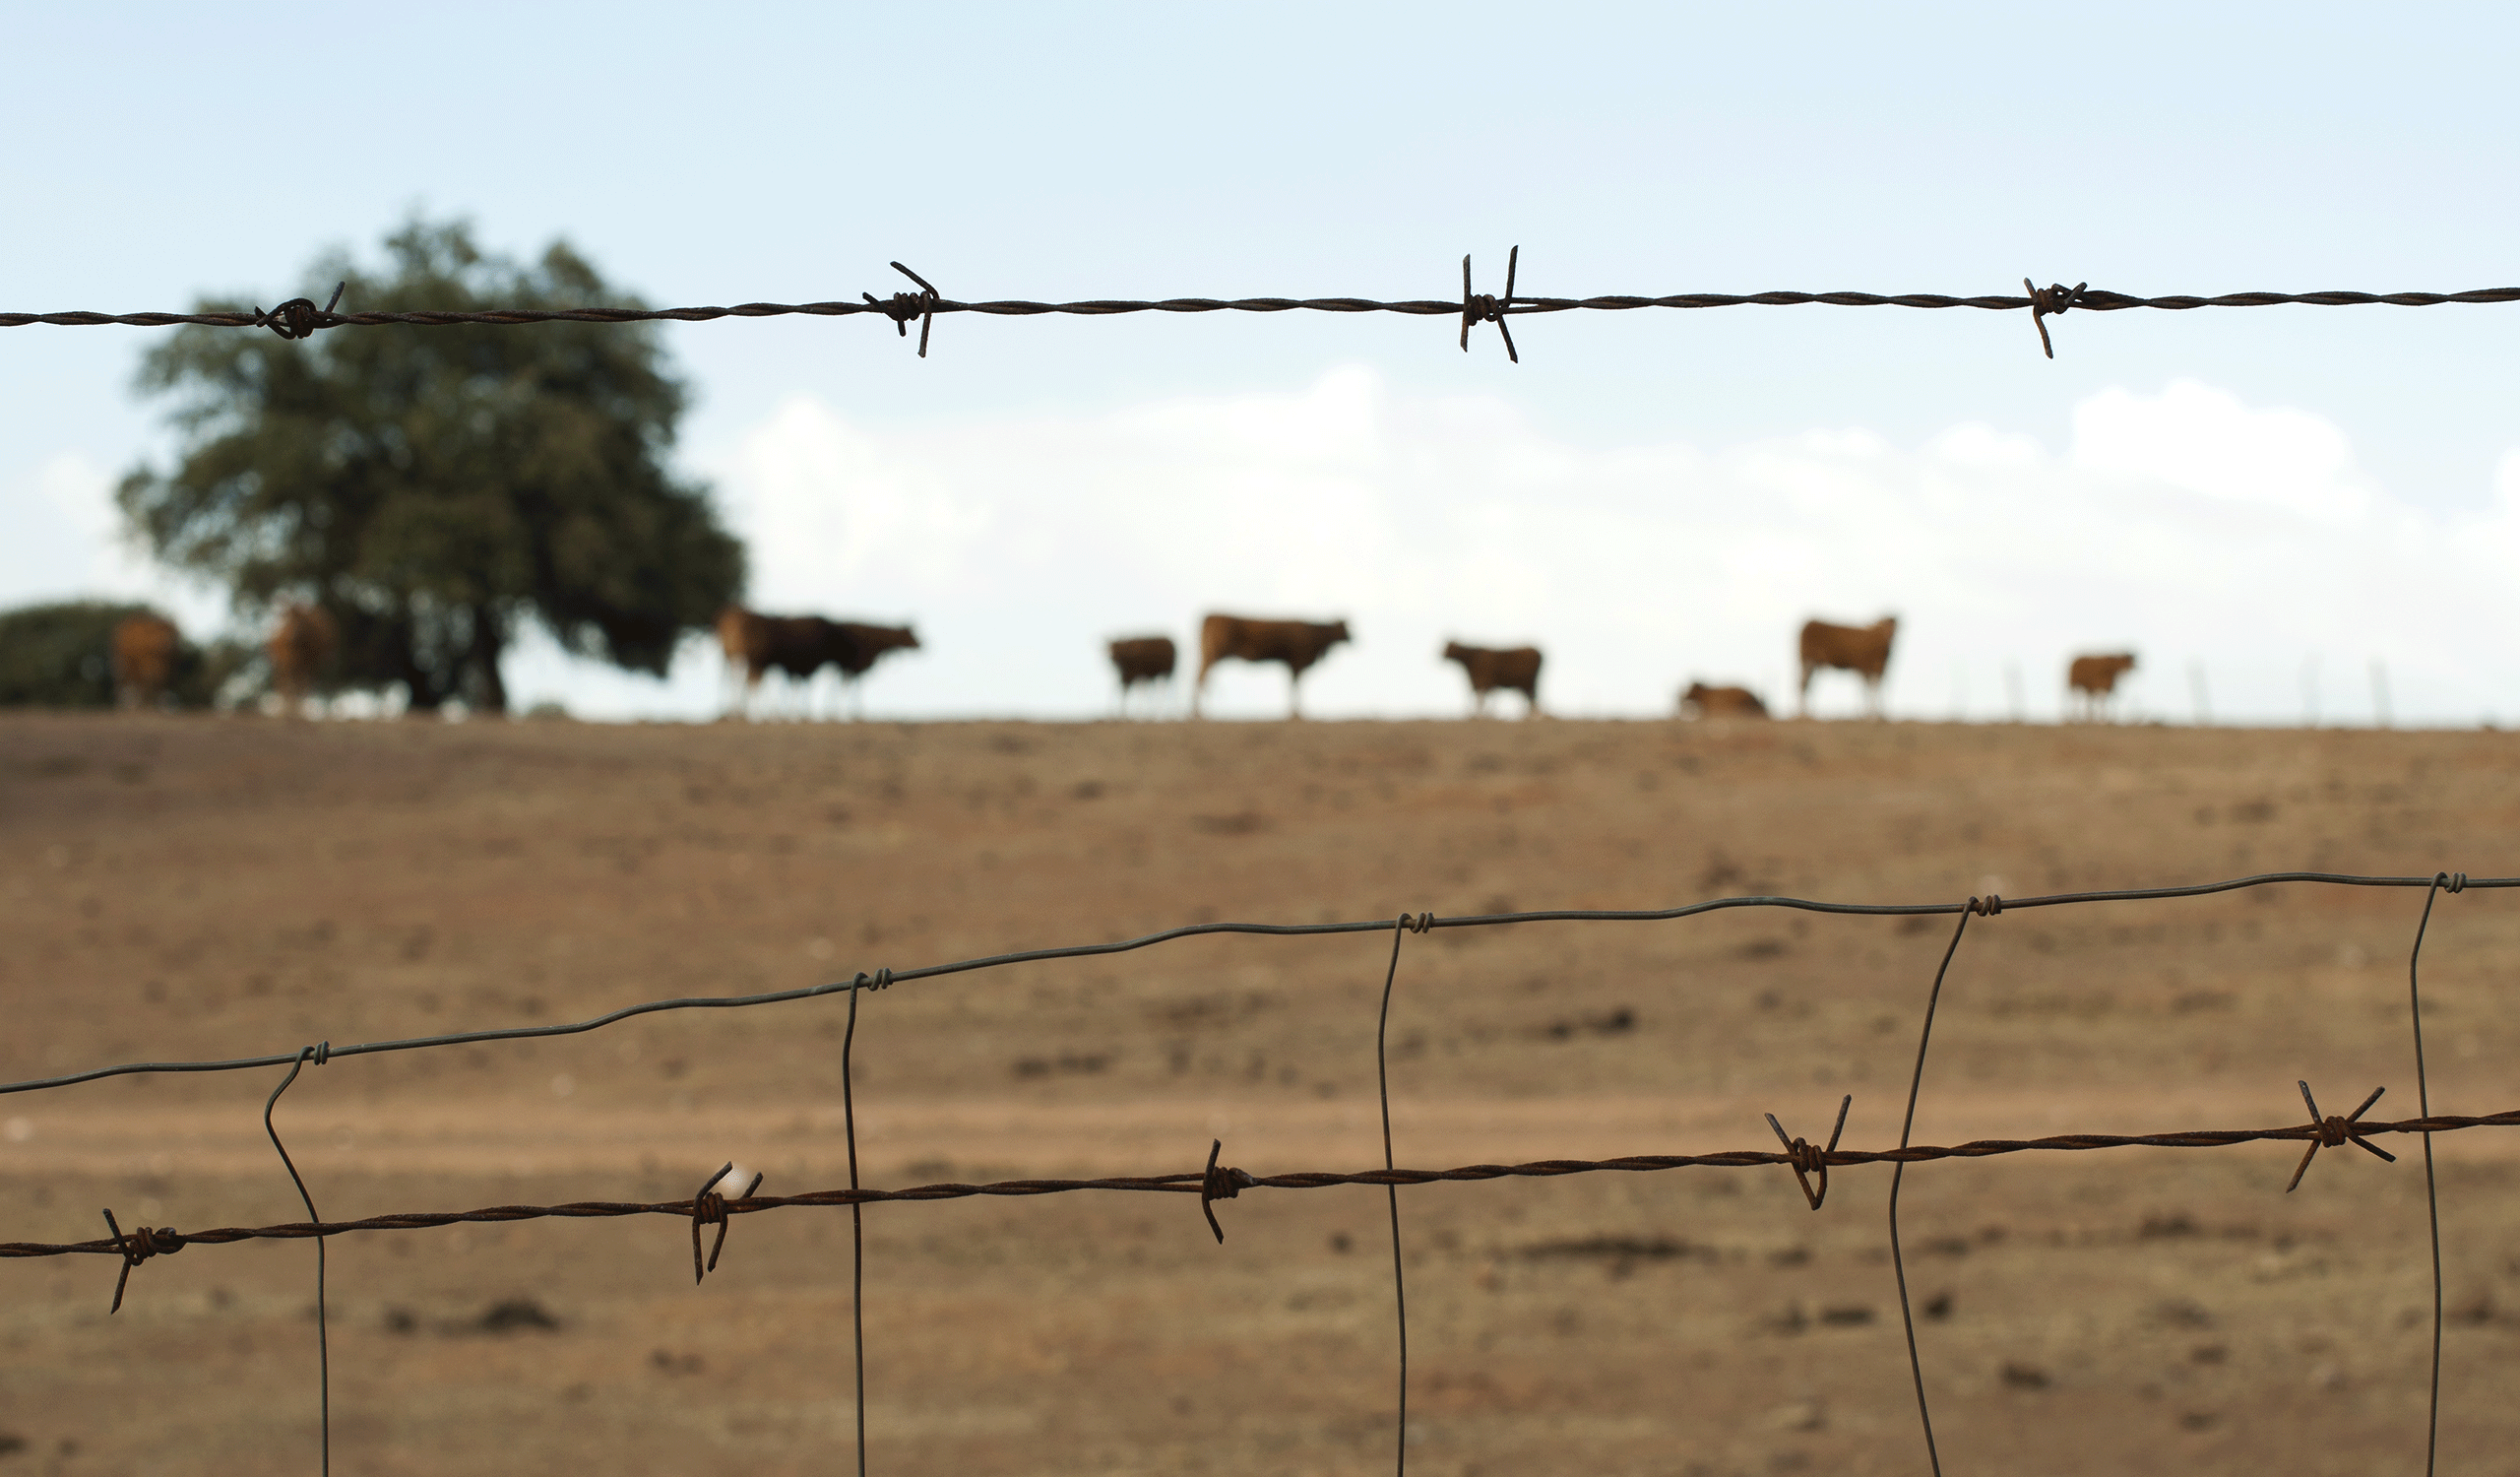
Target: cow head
1454	651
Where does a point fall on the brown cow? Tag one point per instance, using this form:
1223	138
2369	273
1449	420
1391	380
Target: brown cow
802	646
1863	650
302	648
145	650
1142	659
1703	701
1513	669
1297	643
2090	680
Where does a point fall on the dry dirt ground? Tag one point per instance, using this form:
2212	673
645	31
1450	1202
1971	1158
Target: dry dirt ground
205	888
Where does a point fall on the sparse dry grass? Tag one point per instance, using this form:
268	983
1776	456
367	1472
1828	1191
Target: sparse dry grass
180	888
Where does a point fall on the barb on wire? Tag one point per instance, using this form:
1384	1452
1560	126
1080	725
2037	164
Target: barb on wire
882	979
709	1208
1808	1161
300	317
2335	1132
1480	307
901	307
2052	300
1218	1183
142	1242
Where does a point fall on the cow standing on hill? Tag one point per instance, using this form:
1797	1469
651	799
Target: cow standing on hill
1297	643
1863	650
300	649
802	646
1512	668
2091	681
1142	659
1703	701
145	650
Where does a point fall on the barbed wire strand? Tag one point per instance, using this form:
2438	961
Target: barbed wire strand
1192	930
1188	1182
323	1329
299	318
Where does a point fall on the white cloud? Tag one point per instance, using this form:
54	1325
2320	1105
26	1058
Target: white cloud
2202	439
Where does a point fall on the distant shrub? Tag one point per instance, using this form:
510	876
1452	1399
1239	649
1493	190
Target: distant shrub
60	656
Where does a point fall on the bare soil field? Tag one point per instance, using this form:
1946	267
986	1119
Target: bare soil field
219	887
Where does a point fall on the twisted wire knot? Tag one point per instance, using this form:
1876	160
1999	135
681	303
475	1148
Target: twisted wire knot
300	317
2055	297
2332	1131
709	1208
319	1054
1219	1183
1986	907
1419	924
881	979
1807	1161
1482	308
137	1245
901	307
2450	881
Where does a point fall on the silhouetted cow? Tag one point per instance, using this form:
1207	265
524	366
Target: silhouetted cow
2090	680
145	650
1512	668
1703	701
1863	650
1297	643
1142	659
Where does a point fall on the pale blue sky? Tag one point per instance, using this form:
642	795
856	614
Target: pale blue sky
1163	150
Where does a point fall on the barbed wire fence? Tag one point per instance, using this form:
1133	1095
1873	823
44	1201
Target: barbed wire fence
300	318
712	1204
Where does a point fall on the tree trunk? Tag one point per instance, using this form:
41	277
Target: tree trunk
488	640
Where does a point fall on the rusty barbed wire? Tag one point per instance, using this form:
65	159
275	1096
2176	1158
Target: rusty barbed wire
299	318
1225	1182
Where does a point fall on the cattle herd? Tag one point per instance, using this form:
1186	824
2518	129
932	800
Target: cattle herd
801	647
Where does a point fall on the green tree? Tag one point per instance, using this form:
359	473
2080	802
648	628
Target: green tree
433	487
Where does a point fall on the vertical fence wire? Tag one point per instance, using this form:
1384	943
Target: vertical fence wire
323	1335
1400	929
2431	1191
1899	1171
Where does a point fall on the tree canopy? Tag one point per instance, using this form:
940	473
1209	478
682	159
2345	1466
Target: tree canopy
434	487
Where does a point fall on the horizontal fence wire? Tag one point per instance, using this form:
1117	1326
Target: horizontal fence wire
300	317
1811	1164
